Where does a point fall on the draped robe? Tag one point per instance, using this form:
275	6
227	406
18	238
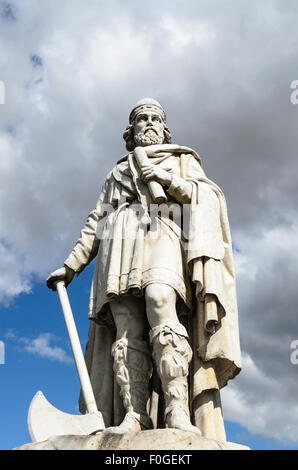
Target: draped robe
200	263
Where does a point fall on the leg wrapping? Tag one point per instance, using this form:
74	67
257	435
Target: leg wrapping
172	355
133	370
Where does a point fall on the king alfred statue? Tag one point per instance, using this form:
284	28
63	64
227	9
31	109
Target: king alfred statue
163	336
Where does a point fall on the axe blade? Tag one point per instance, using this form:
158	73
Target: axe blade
44	420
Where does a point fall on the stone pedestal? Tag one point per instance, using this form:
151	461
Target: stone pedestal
156	439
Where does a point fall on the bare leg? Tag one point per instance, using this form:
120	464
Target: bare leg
160	304
129	317
132	363
171	352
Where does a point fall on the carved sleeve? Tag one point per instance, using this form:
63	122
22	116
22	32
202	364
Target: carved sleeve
180	189
87	245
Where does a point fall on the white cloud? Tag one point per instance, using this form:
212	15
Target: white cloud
263	397
61	126
185	33
266	412
10	334
41	346
245	266
13	280
224	80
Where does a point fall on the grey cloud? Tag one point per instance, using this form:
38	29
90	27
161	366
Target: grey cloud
8	11
222	70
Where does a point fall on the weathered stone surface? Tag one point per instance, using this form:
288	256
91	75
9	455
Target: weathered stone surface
156	264
158	439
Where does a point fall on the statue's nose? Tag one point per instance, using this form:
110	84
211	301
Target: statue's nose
149	122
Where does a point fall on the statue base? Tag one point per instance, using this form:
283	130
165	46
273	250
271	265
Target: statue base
155	439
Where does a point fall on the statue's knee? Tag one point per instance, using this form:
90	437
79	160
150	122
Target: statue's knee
159	296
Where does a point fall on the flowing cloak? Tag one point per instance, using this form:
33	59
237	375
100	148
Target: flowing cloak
207	251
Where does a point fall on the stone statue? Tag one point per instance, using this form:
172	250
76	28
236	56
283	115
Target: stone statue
164	338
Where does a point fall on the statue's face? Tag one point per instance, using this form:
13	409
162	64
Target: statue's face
148	128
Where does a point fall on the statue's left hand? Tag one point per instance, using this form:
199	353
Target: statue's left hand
153	172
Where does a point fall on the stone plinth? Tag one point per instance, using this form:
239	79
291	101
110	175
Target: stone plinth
157	439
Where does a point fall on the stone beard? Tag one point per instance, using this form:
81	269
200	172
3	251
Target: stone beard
150	137
163	337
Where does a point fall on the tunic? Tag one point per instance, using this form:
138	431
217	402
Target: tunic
133	254
135	246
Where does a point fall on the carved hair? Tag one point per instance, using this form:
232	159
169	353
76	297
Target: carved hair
128	136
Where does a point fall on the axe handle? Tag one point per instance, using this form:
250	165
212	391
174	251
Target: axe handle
76	349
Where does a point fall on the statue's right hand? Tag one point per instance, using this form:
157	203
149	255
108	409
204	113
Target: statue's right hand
65	274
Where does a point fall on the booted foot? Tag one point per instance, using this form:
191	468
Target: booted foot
133	422
177	418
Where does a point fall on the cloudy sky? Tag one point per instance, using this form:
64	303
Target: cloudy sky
223	70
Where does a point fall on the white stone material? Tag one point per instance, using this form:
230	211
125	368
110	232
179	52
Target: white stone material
44	420
159	439
163	295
